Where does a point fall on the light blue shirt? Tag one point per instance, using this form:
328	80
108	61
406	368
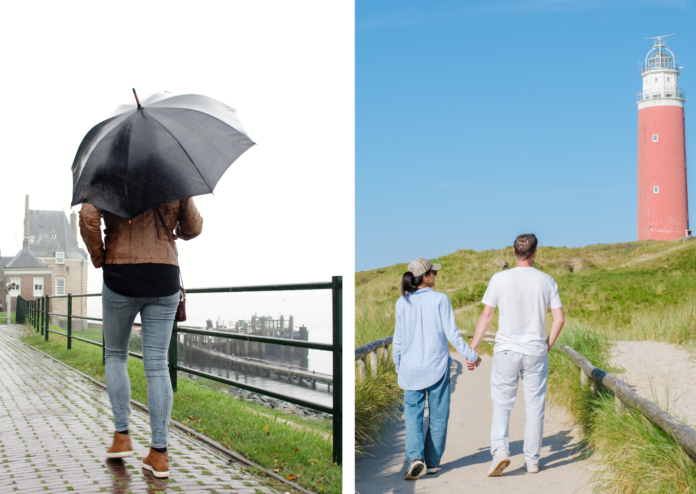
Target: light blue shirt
424	324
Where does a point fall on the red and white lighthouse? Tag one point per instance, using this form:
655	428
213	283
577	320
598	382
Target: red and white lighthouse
663	208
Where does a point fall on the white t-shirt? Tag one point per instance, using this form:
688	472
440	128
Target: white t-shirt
522	296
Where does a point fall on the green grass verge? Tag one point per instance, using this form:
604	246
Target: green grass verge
632	455
3	318
289	451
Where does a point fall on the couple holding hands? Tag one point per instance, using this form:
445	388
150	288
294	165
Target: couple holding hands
424	325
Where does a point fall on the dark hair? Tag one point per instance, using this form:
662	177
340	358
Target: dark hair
410	283
525	246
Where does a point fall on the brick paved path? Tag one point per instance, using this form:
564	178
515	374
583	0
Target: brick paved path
55	426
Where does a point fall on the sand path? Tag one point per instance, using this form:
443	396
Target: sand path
661	373
467	456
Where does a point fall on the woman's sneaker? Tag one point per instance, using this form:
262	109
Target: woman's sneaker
532	468
414	469
121	446
157	463
433	469
500	463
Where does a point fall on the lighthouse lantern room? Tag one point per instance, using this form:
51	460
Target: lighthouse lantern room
663	210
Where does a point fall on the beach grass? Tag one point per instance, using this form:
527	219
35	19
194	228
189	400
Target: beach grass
630	453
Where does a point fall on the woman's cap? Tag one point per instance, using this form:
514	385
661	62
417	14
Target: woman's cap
421	266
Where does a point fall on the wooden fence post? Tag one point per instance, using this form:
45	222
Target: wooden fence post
362	369
373	362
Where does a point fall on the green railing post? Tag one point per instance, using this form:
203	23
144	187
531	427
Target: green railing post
174	355
41	315
337	310
48	319
69	320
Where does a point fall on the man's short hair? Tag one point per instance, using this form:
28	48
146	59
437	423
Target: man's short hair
525	246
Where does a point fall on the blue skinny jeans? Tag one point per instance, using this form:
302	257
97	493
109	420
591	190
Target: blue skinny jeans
157	316
432	447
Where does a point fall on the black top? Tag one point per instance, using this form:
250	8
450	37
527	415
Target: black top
142	280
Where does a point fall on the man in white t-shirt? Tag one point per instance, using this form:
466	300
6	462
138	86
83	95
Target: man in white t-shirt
522	295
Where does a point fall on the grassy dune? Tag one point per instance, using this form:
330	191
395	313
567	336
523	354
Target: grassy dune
627	291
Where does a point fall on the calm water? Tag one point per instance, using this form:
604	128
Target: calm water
302	391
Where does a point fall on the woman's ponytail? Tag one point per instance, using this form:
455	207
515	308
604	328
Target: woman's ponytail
410	283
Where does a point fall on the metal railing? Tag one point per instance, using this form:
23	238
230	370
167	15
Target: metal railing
675	93
667	65
625	396
38	314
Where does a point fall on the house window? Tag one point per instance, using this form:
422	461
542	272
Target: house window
18	287
38	287
60	256
60	286
654	137
656	189
53	235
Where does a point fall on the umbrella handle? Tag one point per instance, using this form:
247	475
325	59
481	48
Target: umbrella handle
136	99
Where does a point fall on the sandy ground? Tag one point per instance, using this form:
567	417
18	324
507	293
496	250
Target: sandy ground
467	456
662	373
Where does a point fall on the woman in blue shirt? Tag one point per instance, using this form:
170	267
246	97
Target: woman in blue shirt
424	325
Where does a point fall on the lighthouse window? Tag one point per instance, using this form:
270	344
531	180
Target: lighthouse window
654	137
656	189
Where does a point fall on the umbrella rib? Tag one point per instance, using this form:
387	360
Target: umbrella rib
183	149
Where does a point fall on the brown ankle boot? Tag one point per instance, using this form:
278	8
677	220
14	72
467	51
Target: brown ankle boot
157	463
121	446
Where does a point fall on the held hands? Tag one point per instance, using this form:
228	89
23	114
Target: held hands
472	365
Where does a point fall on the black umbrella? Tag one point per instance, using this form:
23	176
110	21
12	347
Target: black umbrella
169	148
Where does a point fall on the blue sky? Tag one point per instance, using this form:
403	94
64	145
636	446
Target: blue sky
478	121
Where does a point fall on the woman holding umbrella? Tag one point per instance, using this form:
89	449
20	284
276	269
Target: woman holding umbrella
138	171
141	275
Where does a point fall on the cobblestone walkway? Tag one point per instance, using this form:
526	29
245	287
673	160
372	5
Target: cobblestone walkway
55	426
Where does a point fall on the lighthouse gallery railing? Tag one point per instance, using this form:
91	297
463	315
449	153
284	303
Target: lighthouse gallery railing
676	93
38	312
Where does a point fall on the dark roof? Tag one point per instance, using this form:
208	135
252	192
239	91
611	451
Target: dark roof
3	263
25	259
43	226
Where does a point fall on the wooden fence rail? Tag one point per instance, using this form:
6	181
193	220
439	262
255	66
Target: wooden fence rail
626	397
379	350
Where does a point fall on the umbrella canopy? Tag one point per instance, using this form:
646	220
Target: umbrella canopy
169	148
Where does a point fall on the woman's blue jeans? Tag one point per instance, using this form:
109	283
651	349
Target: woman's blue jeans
432	447
157	316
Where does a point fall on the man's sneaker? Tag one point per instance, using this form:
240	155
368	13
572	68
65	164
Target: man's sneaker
433	469
157	463
500	463
121	446
532	468
414	469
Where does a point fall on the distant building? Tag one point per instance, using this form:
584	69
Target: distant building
50	263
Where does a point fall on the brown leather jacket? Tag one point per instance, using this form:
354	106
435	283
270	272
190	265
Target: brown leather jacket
141	240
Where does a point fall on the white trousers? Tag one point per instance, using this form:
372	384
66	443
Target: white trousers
507	368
